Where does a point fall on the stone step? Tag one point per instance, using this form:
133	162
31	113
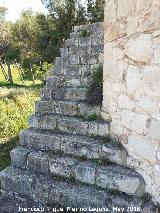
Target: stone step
95	28
74	70
67	194
69	108
78	146
75	126
69	81
70	70
76	56
64	93
13	204
95	32
103	175
90	49
78	40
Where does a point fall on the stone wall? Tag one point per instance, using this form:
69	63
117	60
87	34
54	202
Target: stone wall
132	83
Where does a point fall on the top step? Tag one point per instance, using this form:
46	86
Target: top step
94	29
84	35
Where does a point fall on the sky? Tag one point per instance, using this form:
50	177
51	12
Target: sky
15	7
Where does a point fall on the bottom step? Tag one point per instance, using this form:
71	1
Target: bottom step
12	204
67	194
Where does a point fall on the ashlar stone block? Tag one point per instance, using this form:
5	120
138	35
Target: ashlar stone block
38	162
85	172
140	49
142	147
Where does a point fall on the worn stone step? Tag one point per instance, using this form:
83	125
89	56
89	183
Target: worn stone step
70	108
69	81
95	28
78	56
74	70
75	126
84	41
90	49
14	204
78	146
45	190
93	31
64	93
103	175
80	40
83	55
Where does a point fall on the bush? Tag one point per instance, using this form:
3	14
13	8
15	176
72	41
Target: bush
41	72
95	90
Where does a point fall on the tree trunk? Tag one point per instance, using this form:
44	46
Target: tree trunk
10	79
41	65
3	72
31	70
21	73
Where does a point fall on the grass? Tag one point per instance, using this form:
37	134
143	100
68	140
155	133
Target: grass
17	103
28	83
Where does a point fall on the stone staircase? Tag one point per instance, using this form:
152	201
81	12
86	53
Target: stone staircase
64	158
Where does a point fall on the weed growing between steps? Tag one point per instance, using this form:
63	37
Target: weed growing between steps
146	197
92	117
84	33
95	90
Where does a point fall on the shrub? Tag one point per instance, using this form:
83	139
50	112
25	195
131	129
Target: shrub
41	72
95	90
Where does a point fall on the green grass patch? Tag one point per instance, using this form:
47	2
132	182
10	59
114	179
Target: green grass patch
17	81
15	107
17	103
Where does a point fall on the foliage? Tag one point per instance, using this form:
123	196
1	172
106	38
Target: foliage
66	14
95	10
84	33
146	197
36	38
30	40
24	34
95	90
41	72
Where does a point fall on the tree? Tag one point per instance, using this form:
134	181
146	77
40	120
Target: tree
95	10
4	45
33	42
66	14
47	45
